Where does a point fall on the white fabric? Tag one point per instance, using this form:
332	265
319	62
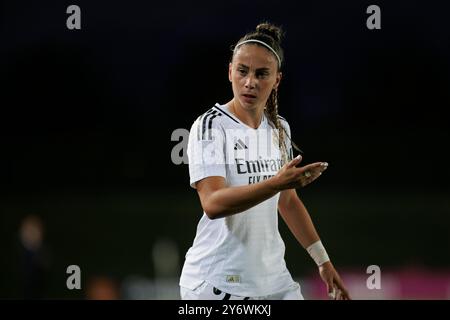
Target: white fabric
318	253
242	254
206	291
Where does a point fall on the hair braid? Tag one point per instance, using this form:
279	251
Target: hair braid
272	114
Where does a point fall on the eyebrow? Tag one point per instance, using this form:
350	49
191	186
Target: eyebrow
259	69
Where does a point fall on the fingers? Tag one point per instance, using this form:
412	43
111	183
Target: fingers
295	161
323	166
335	286
311	172
341	295
328	279
307	174
338	290
344	295
315	167
338	294
330	289
332	293
316	171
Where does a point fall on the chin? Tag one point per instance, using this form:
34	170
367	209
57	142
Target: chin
249	105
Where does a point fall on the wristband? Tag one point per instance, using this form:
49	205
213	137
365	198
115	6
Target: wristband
318	253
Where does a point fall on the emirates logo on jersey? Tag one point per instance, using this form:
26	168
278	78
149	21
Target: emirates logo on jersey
258	166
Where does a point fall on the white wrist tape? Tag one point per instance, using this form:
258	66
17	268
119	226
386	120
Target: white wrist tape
318	253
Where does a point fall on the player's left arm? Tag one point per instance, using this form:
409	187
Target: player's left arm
297	218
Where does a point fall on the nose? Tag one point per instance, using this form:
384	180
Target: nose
250	82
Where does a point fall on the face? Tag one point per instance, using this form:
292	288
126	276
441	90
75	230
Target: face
253	73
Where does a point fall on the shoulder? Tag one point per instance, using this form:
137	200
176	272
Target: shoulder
208	122
212	117
284	122
282	119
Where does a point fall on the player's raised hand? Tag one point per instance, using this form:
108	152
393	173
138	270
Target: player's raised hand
290	176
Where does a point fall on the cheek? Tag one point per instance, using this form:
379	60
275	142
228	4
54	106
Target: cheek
237	79
267	87
235	83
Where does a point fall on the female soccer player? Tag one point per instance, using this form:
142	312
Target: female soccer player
241	163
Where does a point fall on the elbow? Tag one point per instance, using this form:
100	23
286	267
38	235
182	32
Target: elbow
211	212
211	216
215	212
210	207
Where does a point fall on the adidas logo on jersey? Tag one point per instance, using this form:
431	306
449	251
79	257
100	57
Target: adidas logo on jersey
240	145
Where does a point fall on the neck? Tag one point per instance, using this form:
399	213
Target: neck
251	118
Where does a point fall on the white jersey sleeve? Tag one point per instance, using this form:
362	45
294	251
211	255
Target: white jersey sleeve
206	149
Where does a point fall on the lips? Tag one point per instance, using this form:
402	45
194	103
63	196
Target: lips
249	96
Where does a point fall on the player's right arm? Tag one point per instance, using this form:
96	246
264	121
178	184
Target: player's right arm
219	200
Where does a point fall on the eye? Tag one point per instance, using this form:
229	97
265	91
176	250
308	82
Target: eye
262	74
242	71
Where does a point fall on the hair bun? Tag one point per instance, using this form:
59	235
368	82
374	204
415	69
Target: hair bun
271	30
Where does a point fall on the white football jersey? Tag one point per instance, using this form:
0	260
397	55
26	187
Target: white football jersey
242	254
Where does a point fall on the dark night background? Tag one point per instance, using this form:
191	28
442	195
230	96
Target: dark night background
86	118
